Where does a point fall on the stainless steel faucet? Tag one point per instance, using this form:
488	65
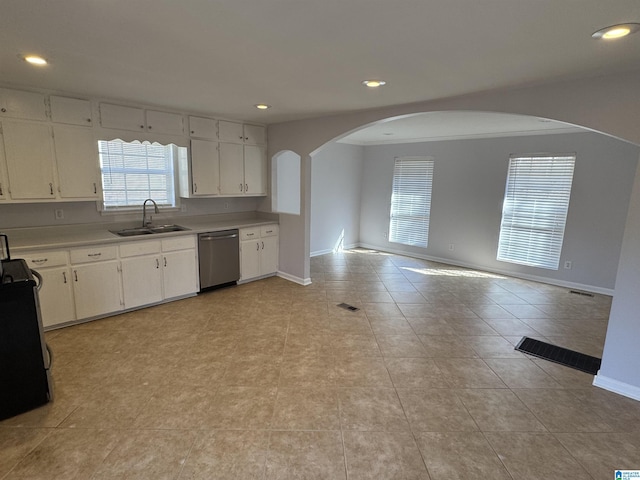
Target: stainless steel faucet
144	211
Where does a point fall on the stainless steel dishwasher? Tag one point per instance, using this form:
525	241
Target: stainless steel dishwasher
219	254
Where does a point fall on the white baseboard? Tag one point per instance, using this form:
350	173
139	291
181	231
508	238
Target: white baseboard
292	278
524	276
317	253
617	386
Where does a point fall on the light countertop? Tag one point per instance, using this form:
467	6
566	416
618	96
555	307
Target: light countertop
66	236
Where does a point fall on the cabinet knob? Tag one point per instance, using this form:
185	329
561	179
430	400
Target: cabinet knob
192	132
88	120
3	110
149	127
141	126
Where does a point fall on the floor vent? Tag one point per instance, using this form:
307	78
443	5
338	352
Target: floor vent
563	356
576	292
346	306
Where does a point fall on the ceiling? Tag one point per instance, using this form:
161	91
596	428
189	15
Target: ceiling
423	127
305	58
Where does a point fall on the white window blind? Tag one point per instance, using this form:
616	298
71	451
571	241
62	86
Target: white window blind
535	209
135	171
411	201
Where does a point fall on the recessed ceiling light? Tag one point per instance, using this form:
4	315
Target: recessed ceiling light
373	83
617	31
35	60
262	106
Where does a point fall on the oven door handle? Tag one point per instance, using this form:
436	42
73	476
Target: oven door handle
39	277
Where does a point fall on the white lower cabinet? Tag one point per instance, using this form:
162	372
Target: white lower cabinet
56	294
96	288
156	270
258	251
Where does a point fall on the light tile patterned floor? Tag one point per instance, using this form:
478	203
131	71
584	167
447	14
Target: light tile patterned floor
270	380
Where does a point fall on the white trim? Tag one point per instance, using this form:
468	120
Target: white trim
292	278
617	386
317	253
524	276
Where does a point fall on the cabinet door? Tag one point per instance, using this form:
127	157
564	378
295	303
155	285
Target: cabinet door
96	289
141	280
249	259
29	157
123	118
56	296
180	273
164	122
203	127
4	190
205	168
77	162
230	132
73	111
231	169
254	135
19	104
255	168
268	255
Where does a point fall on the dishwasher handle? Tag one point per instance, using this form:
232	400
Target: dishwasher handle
218	237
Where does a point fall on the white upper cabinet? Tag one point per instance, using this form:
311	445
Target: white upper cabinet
255	170
231	169
73	111
203	128
25	105
30	161
4	190
132	118
254	134
77	160
163	122
205	168
120	117
233	132
230	132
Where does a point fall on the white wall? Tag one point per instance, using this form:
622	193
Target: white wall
468	191
336	179
18	215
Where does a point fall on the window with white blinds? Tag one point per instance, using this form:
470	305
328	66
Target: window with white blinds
535	209
135	171
411	201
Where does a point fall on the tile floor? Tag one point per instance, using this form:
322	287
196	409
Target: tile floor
270	380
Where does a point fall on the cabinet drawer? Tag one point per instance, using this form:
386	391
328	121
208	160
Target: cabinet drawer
268	230
250	233
139	248
46	259
178	243
93	254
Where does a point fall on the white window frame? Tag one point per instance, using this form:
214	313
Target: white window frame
411	201
173	199
535	208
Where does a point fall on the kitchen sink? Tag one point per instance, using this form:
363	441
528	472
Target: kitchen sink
132	232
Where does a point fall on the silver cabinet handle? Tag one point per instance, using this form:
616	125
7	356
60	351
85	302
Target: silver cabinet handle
64	277
165	261
263	245
1	189
40	260
94	254
95	188
257	246
195	187
51	188
246	188
240	187
157	263
75	274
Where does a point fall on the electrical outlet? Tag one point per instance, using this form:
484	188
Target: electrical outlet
59	213
452	247
568	265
